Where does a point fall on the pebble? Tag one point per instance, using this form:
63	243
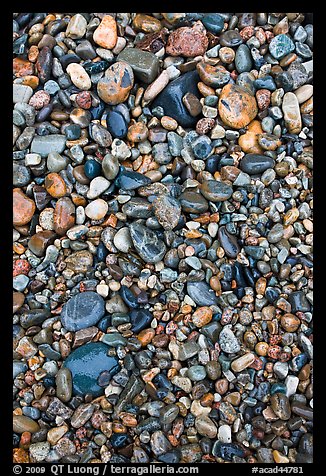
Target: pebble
23	208
228	341
280	46
291	112
97	209
144	64
83	310
201	293
79	77
115	87
167	211
216	191
236	107
149	247
189	42
170	99
162	238
254	164
43	145
106	34
86	363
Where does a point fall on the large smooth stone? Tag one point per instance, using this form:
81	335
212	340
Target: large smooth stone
236	107
86	363
149	247
201	293
83	310
145	65
171	98
43	145
254	164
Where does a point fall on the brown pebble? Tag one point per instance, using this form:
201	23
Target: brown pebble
55	185
23	208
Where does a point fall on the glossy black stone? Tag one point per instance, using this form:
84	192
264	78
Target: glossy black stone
140	319
116	124
171	98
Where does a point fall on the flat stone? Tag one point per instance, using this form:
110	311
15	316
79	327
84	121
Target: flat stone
228	242
106	34
80	261
97	209
140	319
206	427
201	293
21	93
130	180
192	202
64	215
254	164
145	65
188	42
83	310
76	28
86	363
78	76
214	76
82	414
23	423
43	145
23	208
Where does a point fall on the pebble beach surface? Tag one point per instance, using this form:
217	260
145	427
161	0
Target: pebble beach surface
162	237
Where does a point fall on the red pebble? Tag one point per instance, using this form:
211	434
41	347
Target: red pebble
84	100
21	266
247	32
263	97
274	351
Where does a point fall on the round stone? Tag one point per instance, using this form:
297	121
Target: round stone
254	164
86	363
83	310
216	191
79	77
237	108
97	209
202	316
